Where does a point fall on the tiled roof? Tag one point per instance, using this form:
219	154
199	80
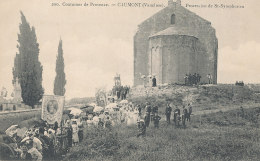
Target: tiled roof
175	30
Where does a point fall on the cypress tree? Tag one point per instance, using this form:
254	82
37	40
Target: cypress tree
60	80
27	67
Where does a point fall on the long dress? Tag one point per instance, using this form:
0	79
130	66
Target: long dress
75	136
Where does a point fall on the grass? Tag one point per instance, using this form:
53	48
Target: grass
216	136
25	119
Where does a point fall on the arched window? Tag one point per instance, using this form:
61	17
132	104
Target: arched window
173	19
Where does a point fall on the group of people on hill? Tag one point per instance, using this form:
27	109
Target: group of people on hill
151	115
121	91
178	116
191	79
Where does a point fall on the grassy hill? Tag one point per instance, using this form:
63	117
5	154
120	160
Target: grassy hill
201	97
216	136
223	133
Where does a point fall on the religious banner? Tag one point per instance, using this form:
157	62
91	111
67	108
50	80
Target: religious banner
52	108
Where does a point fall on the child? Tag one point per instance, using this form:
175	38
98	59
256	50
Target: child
156	120
141	128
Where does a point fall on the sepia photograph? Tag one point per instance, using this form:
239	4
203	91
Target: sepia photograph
130	80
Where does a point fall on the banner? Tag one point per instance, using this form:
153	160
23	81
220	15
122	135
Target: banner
52	108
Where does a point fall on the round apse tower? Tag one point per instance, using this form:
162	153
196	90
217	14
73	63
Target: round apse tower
175	52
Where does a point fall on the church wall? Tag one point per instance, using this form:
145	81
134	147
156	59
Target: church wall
160	21
153	25
179	57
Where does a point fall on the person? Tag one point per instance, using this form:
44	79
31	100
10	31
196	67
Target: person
69	133
100	123
154	81
189	79
156	120
47	149
34	153
147	115
154	111
14	107
189	112
147	119
141	128
24	152
168	111
36	142
184	115
176	115
75	136
209	78
186	79
148	108
108	123
198	77
139	110
80	132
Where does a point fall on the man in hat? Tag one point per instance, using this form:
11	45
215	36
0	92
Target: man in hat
141	128
168	112
189	112
184	115
154	81
154	111
148	110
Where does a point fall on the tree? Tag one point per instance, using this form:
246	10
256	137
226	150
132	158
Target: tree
60	80
27	67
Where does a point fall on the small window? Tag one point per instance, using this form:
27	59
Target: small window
173	19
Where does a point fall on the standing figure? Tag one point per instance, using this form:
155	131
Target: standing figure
154	111
209	78
186	79
184	115
154	81
75	130
69	133
168	111
148	110
147	119
176	115
139	108
80	132
189	112
156	120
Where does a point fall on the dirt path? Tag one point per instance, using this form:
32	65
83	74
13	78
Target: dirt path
226	108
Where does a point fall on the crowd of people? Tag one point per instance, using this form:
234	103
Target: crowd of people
191	79
120	91
41	141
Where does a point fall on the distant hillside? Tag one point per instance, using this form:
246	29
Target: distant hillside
204	96
84	100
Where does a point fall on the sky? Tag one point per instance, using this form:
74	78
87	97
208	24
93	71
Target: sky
98	41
